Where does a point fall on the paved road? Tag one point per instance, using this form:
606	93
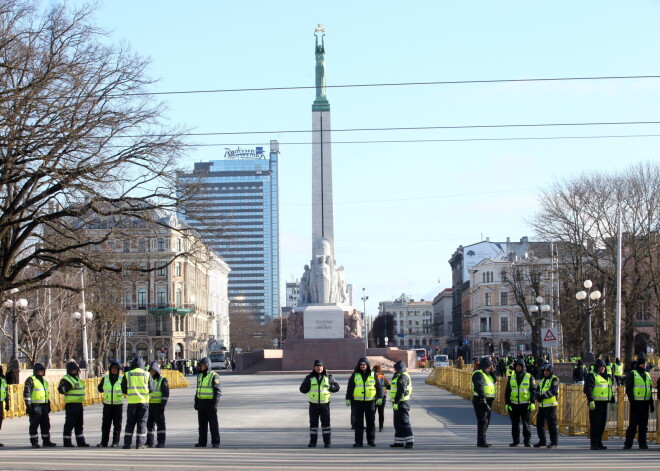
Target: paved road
263	425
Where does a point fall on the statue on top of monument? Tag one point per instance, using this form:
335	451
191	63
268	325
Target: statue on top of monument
320	62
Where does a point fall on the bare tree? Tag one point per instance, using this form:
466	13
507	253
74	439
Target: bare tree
80	141
582	213
526	281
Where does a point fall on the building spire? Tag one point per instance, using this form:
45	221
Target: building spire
321	103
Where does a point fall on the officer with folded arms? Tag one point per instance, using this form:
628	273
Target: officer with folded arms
520	389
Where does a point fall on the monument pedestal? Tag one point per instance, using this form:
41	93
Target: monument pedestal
327	333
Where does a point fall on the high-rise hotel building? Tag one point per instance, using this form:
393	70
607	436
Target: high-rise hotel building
238	217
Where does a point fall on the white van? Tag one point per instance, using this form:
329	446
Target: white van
440	360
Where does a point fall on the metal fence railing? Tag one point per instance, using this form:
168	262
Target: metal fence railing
572	411
92	396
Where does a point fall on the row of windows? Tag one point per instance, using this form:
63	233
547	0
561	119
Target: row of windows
504	299
485	324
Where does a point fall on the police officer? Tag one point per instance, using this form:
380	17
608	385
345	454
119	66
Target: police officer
363	394
113	405
484	391
188	367
136	385
520	389
318	385
37	405
618	372
4	398
598	389
638	390
157	402
547	398
207	399
400	392
73	389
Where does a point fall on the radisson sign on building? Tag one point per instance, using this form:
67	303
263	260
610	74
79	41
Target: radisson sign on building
256	153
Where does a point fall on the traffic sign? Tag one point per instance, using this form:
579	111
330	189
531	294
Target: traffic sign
550	337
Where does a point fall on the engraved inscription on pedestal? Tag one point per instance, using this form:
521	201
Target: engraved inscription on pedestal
323	323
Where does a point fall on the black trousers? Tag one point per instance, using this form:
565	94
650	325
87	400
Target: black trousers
112	415
364	411
207	418
639	422
619	380
402	430
482	412
316	412
381	415
549	415
136	416
597	422
2	412
155	421
39	419
520	413
73	420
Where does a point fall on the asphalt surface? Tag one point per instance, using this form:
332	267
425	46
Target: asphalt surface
264	425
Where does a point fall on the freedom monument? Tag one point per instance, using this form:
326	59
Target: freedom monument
324	325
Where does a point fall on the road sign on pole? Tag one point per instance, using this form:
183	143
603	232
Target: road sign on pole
550	337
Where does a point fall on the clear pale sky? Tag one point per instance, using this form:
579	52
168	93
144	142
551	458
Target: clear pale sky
401	209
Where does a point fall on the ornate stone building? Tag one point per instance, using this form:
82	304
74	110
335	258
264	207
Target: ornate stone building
413	322
174	289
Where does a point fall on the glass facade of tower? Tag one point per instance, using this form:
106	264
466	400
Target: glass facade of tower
240	222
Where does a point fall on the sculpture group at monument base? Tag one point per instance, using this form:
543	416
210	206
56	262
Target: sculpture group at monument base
337	354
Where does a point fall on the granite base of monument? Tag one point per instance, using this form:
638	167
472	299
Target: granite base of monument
337	354
329	332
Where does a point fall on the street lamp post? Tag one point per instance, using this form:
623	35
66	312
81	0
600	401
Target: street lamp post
15	304
364	315
589	300
539	307
82	318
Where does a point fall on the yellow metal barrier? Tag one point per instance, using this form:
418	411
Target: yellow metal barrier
92	396
572	411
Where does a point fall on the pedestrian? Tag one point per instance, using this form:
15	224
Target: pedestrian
639	391
363	394
598	389
5	399
385	385
233	364
484	390
580	373
37	405
520	389
319	385
188	367
136	385
113	406
400	391
73	389
207	399
547	395
157	402
618	372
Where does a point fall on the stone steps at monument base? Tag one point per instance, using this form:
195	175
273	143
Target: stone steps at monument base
267	364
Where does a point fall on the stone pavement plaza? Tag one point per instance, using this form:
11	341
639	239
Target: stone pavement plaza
264	425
